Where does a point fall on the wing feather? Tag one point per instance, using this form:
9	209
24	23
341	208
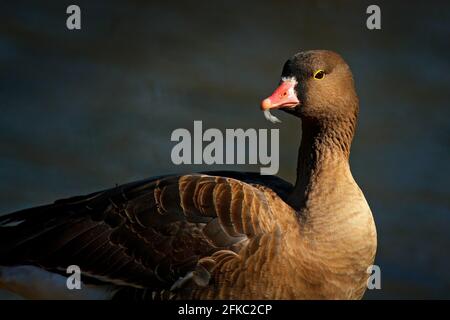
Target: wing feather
146	234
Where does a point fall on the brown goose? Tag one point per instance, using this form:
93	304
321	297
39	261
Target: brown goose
219	235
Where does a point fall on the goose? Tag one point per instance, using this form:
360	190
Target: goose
220	234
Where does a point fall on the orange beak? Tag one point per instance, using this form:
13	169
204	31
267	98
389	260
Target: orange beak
283	96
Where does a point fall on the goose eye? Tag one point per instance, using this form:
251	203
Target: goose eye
319	74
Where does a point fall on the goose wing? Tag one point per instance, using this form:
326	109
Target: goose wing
148	234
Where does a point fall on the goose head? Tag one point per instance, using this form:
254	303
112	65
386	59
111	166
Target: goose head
316	85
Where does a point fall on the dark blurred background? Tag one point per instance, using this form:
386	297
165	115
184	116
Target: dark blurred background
83	110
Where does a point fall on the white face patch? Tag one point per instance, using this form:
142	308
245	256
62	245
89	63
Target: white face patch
271	117
294	79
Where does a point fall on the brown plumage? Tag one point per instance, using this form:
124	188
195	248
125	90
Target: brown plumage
224	235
